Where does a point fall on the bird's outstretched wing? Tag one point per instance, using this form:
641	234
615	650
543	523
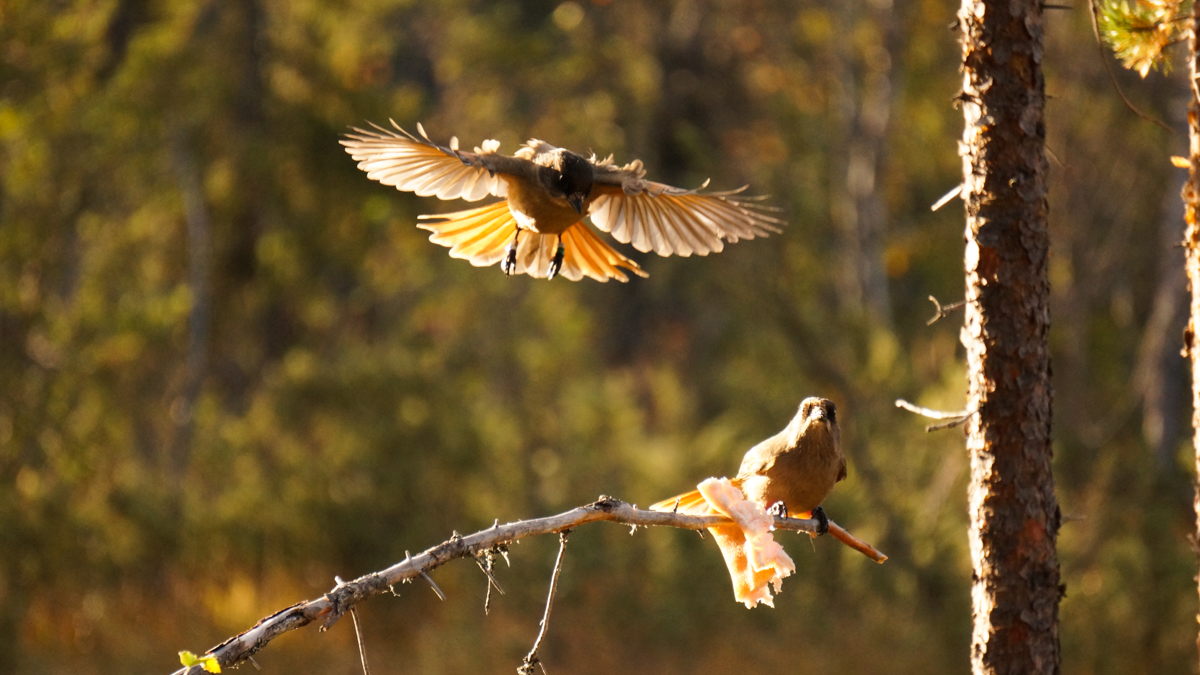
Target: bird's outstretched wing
417	164
670	220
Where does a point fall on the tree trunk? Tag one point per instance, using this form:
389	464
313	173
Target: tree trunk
1191	244
1014	514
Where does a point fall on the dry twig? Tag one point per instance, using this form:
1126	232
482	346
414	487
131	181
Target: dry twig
532	657
945	199
362	650
953	418
943	309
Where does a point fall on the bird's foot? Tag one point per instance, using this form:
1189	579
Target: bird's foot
556	263
822	520
509	264
778	509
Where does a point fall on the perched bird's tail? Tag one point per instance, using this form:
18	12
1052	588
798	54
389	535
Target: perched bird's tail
749	581
482	236
689	504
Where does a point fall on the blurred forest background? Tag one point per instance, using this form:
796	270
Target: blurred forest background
231	367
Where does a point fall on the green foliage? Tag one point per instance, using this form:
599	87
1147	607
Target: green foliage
1140	31
355	393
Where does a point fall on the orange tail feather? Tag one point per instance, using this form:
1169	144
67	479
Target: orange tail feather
587	254
477	235
730	539
482	235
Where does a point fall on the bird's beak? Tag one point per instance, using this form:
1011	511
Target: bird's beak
576	202
817	413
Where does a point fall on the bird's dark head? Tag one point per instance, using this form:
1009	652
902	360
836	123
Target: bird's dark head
818	409
574	179
816	414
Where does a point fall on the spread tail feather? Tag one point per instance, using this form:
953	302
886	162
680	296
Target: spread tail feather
747	581
482	235
587	253
690	503
477	235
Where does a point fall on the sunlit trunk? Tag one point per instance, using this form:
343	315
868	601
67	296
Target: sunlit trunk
1014	512
1191	192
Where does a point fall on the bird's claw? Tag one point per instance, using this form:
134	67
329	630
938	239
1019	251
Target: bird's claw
822	520
778	509
509	264
556	263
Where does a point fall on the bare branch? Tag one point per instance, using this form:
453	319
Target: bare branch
950	424
855	543
942	309
930	412
945	199
953	419
532	657
330	607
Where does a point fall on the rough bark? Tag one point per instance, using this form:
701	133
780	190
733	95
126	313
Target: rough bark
1014	513
1191	244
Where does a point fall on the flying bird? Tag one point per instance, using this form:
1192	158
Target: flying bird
537	228
790	472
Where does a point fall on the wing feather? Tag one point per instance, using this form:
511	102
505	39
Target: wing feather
417	164
687	239
679	236
673	221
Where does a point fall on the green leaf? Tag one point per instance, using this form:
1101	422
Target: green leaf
208	663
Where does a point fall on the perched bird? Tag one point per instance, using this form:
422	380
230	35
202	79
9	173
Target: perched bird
537	229
790	472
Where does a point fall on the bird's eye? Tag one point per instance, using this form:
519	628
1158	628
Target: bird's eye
831	410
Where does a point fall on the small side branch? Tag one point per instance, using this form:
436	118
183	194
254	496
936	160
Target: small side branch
855	543
485	561
426	577
945	199
330	607
362	649
532	657
943	309
953	419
